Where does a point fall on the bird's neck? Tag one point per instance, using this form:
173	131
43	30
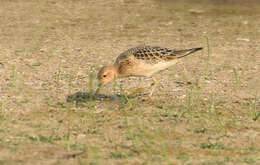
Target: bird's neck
114	70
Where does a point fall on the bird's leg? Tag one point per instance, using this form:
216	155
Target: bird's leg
137	91
154	84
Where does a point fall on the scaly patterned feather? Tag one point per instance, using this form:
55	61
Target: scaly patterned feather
154	54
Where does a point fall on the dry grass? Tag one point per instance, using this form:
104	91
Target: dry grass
205	110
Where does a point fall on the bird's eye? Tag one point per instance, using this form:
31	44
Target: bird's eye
104	75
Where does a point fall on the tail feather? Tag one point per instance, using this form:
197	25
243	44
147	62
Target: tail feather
183	53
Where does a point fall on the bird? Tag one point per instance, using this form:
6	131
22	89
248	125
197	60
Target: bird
142	61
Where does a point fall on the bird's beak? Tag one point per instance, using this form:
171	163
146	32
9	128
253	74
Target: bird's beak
100	85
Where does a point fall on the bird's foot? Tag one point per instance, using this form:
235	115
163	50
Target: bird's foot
136	91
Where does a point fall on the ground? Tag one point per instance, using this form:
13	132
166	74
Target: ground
204	111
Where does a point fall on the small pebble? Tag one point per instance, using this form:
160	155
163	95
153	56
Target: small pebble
243	39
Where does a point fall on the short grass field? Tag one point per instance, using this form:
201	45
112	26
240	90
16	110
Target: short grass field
205	111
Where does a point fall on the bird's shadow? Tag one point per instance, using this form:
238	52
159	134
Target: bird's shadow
88	97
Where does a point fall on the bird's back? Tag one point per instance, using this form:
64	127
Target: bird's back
147	60
153	54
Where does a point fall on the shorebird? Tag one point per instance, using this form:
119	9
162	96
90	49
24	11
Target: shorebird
142	61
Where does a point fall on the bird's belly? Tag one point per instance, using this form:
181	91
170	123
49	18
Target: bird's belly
147	70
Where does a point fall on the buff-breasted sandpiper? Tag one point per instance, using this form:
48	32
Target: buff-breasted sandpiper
142	61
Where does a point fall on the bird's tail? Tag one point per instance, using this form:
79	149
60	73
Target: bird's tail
183	53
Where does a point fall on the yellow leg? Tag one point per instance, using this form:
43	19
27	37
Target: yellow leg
136	91
154	84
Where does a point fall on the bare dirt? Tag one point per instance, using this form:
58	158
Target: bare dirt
205	110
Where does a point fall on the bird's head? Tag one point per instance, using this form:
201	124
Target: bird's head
106	74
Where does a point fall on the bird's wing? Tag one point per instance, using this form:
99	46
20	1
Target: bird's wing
154	53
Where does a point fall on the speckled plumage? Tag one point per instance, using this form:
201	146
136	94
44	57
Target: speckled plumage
147	60
142	61
154	54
